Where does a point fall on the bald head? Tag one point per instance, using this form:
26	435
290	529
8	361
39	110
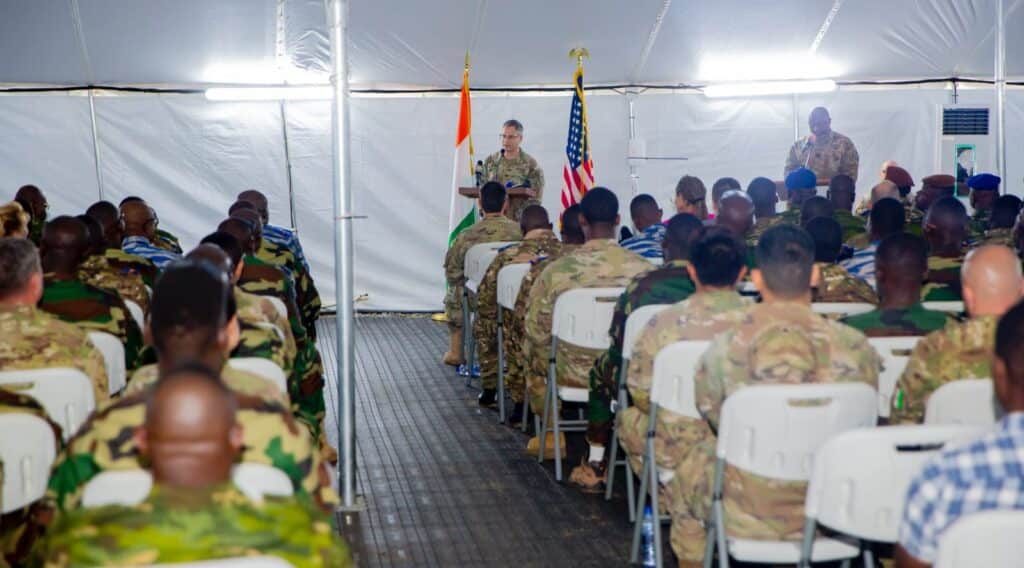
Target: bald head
992	282
190	434
242	231
534	217
736	213
139	219
259	201
883	190
214	255
64	245
885	168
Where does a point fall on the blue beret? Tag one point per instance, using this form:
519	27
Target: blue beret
801	178
984	182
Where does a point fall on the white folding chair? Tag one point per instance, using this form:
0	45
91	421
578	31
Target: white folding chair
672	389
113	359
130	487
656	261
278	304
988	538
635	323
895	353
478	259
841	308
581	318
263	367
956	307
65	393
257	480
860	480
237	562
510	279
136	312
969	402
27	449
766	431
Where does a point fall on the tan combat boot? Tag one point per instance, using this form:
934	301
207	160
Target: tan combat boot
454	354
533	446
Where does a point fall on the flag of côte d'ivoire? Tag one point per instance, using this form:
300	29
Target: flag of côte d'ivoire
462	213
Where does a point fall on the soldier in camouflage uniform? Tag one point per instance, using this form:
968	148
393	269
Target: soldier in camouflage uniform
961	350
33	339
538	238
109	218
96	270
494	227
513	167
984	193
139	221
193	512
667	284
842	192
945	230
599	263
1000	225
780	341
901	262
764	195
35	204
64	245
800	187
825	152
276	234
836	284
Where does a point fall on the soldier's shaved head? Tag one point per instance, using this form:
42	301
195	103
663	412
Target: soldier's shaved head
534	217
139	219
189	314
644	211
762	192
1008	367
828	238
901	264
721	187
945	225
214	255
253	219
842	192
717	258
190	435
64	245
1005	212
107	215
242	231
599	213
991	280
94	235
572	232
680	232
887	218
815	207
785	263
21	277
493	197
259	200
736	213
884	189
238	205
227	243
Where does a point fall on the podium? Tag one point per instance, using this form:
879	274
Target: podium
516	197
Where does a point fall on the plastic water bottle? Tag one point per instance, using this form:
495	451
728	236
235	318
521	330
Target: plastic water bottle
647	531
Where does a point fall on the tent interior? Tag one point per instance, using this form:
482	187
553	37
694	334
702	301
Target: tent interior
104	99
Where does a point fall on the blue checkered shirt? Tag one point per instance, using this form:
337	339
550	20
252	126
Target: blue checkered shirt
862	264
648	243
287	238
986	474
142	247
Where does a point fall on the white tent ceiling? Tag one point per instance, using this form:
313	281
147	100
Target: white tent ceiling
417	44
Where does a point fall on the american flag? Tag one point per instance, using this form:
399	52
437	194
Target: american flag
578	173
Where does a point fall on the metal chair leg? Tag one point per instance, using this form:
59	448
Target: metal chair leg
613	462
630	490
556	418
501	372
634	551
543	434
526	406
655	515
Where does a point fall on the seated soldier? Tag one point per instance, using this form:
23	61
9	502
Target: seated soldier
281	236
97	271
815	207
599	263
905	183
885	218
650	230
1000	224
64	246
691	197
842	192
901	263
722	186
736	214
992	284
189	322
779	341
979	476
984	192
883	190
35	204
538	238
14	220
801	184
945	229
32	338
493	227
836	284
113	259
667	284
717	264
514	326
764	196
140	234
161	238
934	188
192	433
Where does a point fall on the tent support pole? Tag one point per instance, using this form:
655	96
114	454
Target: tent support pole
288	164
1000	84
343	252
796	117
96	146
634	170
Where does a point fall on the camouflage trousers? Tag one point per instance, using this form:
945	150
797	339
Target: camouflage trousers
485	331
306	387
453	305
572	369
602	384
515	356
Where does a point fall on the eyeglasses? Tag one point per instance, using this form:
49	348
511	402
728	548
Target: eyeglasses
509	136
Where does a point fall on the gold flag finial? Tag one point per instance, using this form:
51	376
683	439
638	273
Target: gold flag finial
578	53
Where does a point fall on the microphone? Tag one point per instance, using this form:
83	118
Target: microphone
503	153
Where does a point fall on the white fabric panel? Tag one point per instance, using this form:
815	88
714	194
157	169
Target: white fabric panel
47	141
39	45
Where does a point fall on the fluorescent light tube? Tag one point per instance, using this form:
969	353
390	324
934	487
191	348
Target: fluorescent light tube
767	88
295	93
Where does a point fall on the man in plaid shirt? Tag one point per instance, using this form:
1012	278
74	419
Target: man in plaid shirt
986	474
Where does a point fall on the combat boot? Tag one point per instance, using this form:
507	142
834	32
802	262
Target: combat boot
533	446
488	398
454	354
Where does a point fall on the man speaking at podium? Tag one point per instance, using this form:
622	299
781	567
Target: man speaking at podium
825	152
514	168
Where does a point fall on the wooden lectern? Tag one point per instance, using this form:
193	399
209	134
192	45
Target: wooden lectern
516	196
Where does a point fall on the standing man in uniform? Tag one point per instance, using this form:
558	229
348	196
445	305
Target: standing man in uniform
512	167
823	151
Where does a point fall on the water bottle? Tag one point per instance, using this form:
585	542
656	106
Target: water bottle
647	531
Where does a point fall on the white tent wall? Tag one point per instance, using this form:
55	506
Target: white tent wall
190	157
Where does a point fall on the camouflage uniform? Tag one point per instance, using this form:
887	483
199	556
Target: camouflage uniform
491	229
913	218
943	282
126	262
851	224
838	285
701	317
761	225
124	281
269	436
778	343
667	284
961	350
485	328
20	529
167	241
306	296
827	158
597	264
35	229
265	333
176	524
521	170
912	321
34	339
978	225
93	309
237	380
997	237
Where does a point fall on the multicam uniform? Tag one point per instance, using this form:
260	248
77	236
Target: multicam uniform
851	224
961	350
827	157
522	170
490	229
838	285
